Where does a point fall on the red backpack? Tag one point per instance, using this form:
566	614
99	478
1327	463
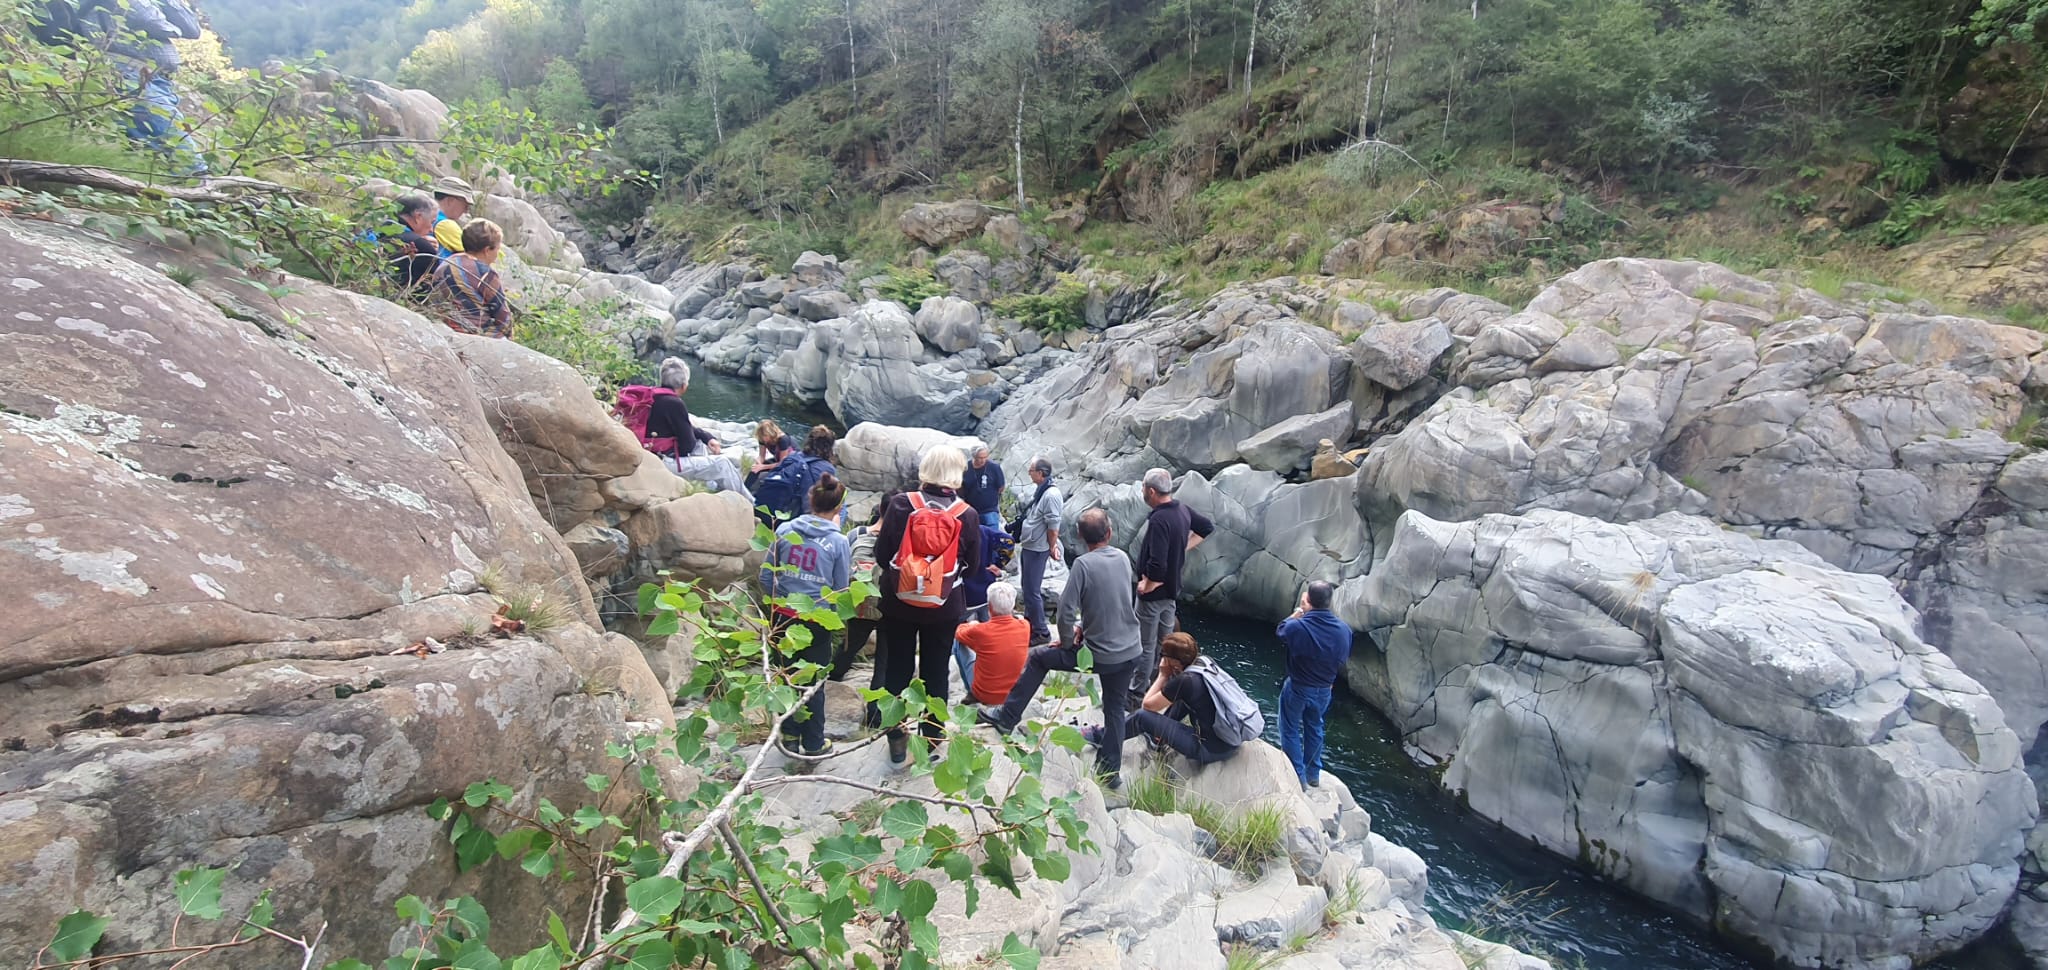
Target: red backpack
636	403
928	561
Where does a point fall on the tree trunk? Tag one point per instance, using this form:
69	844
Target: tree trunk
1251	50
1017	144
852	61
717	112
1372	53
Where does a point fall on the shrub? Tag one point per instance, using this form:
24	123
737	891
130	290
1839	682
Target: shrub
910	287
587	337
1057	310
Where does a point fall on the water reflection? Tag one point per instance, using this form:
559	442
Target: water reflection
724	398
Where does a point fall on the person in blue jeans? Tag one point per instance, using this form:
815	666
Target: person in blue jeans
1318	644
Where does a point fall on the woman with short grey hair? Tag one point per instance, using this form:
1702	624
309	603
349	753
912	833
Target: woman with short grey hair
698	454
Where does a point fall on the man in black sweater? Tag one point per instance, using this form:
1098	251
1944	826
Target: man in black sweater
983	488
1172	530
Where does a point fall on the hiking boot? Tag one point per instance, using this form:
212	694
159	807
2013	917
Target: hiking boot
899	748
789	747
992	716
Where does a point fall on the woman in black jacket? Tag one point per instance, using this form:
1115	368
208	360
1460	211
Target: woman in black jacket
916	639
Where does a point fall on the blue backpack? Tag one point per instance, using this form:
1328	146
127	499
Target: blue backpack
784	490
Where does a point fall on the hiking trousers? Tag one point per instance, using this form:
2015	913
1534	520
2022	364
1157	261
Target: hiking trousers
808	725
1156	619
1032	564
1109	755
913	650
1180	736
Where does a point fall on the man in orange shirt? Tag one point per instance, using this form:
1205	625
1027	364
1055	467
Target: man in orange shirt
991	655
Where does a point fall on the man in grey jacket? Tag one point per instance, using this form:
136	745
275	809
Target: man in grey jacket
1038	544
1097	604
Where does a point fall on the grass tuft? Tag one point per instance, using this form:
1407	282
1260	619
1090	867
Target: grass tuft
1244	956
1245	837
1345	903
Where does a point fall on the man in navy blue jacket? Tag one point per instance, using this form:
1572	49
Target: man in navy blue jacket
1318	644
982	487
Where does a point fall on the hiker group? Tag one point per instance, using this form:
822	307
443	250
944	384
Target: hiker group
938	556
446	262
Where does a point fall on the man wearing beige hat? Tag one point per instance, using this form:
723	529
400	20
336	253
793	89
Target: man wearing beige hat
454	197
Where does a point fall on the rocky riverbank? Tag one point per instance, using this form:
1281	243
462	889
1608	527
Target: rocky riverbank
1869	439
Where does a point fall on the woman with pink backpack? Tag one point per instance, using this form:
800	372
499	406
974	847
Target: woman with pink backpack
660	419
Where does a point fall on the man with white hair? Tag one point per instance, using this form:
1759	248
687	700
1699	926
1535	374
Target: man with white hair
1172	530
697	453
991	654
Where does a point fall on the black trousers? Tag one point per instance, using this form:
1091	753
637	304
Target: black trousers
913	650
808	726
1116	696
1180	736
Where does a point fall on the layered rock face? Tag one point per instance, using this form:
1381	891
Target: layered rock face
945	363
1728	725
228	517
1180	389
1874	436
624	514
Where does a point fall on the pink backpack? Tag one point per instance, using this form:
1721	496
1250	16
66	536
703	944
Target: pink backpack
636	403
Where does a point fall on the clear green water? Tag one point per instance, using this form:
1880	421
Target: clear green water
724	398
1480	875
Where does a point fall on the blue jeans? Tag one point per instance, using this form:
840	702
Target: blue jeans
1034	591
964	659
1301	728
156	123
993	520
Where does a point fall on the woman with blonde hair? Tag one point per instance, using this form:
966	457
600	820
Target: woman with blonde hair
926	539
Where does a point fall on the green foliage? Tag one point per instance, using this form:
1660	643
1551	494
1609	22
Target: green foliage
77	934
562	99
490	138
1245	836
1058	310
588	337
358	36
910	287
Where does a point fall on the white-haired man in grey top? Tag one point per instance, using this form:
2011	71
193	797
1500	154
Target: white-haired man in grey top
1172	530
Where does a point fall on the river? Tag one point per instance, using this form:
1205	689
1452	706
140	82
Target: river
1482	878
724	398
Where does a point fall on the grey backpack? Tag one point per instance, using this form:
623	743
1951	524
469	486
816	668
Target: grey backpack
1237	716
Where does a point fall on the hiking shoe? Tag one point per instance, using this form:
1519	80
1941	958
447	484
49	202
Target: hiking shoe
790	748
899	748
1092	735
992	716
